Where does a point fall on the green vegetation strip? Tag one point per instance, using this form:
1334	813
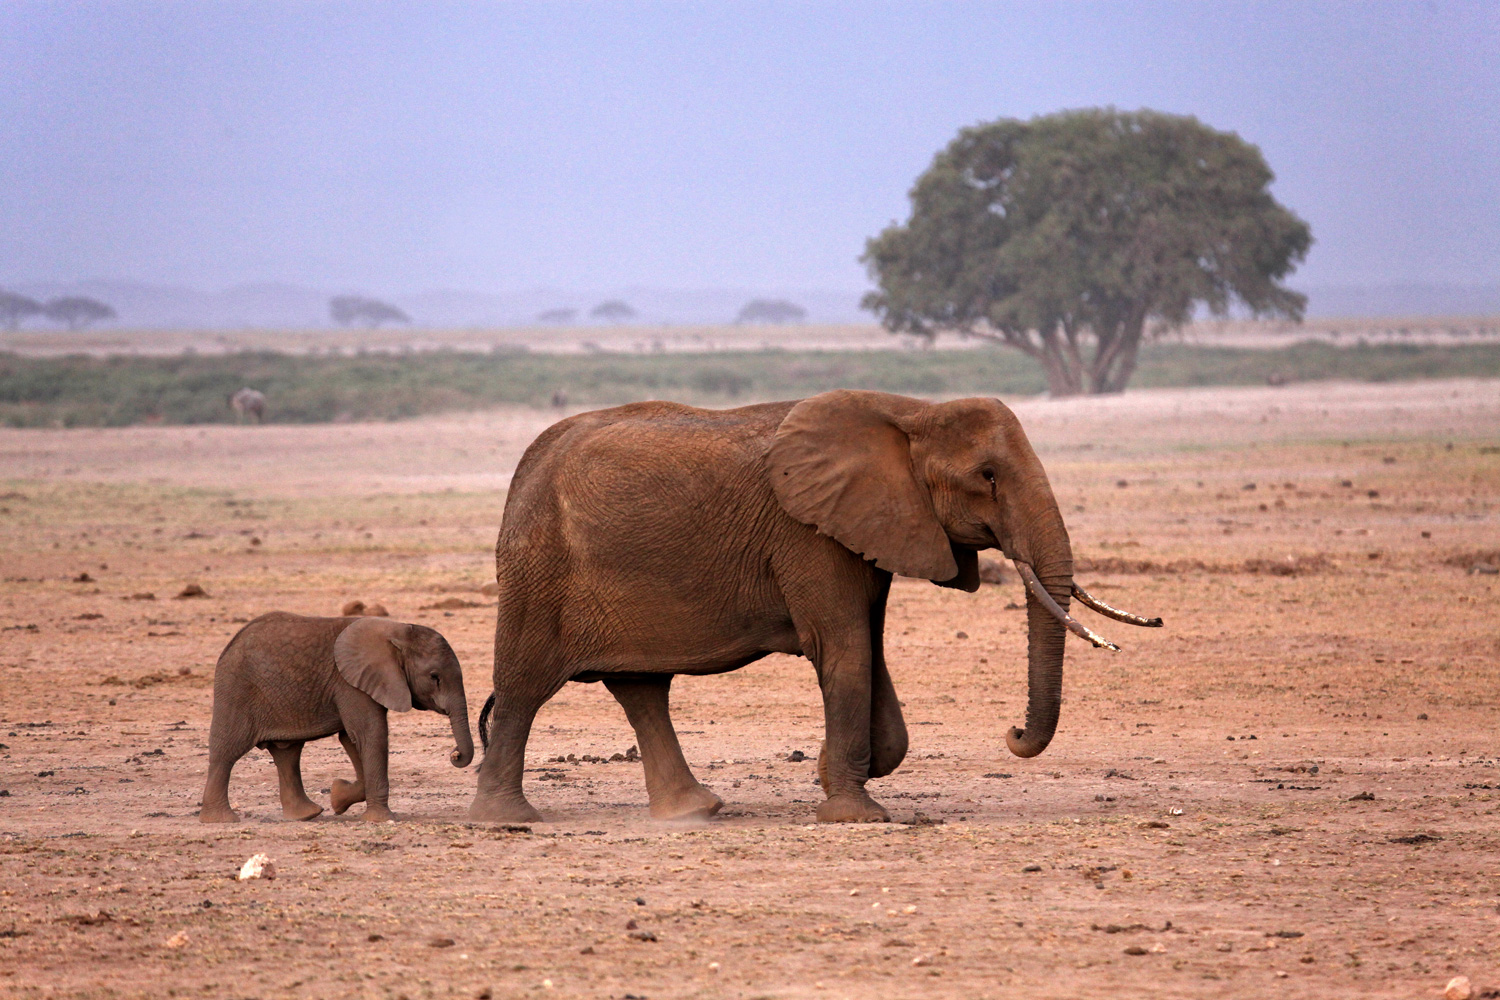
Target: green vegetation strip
194	389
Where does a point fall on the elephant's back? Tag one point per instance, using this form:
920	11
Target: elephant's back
255	663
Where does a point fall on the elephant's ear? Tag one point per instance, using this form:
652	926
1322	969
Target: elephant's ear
369	656
842	463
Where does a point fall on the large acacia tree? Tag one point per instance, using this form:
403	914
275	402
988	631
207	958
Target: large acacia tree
1074	235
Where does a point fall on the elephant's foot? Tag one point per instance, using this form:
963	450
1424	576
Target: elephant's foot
344	794
506	810
693	802
218	814
304	810
852	808
377	814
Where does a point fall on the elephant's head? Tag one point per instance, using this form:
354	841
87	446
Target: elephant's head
405	666
918	488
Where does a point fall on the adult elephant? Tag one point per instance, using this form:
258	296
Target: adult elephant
657	539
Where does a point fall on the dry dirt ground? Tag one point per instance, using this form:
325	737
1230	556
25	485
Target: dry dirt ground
1289	791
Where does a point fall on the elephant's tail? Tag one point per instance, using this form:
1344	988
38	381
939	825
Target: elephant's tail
484	721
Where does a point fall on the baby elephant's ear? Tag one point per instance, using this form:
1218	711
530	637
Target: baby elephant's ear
369	656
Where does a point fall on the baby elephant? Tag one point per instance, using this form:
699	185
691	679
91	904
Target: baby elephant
286	679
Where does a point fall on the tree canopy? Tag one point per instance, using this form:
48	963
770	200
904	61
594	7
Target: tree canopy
347	310
559	315
15	307
771	311
614	310
77	311
1073	235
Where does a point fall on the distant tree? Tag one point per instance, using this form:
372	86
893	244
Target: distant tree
556	315
771	311
347	310
1073	235
77	311
614	310
14	309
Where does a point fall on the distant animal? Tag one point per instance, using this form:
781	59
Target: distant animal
285	679
657	539
249	403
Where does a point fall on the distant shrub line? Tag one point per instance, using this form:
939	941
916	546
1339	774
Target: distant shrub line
81	391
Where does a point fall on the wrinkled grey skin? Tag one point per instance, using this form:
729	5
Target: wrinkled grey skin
656	539
280	683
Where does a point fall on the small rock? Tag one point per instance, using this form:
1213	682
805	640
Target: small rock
1032	868
713	966
1158	948
641	936
191	590
440	942
181	938
796	756
375	937
1135	949
922	960
1363	797
257	866
83	578
960	635
1458	988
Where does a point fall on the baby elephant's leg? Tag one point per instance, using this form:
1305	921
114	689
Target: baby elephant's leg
346	793
294	801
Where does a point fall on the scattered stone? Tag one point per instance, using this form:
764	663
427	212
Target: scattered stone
922	960
1158	948
1156	824
1135	949
1031	868
451	604
1458	988
441	942
191	590
257	866
960	635
922	819
1285	934
375	937
639	935
144	595
1363	797
178	940
83	578
1416	838
796	756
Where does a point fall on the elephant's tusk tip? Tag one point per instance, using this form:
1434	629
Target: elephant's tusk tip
1153	623
1103	644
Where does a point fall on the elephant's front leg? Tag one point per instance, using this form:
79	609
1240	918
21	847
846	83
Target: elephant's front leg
844	765
294	801
346	793
670	785
372	742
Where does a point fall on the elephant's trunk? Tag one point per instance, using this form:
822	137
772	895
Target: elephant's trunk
1045	542
458	716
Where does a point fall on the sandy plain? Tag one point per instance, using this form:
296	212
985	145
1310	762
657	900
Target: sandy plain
1290	791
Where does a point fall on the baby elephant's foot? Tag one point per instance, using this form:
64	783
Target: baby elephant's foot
855	808
377	814
695	802
344	794
304	810
218	814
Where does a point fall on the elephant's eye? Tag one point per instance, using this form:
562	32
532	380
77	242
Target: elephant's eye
988	474
436	679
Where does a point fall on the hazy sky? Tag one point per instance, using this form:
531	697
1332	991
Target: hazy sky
394	147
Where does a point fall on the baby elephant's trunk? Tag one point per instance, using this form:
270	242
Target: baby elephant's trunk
458	715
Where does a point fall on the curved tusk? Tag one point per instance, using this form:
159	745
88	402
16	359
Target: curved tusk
1115	613
1040	593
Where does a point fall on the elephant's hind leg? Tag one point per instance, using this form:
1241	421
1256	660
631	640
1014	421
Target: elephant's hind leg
294	801
670	785
499	798
216	790
346	793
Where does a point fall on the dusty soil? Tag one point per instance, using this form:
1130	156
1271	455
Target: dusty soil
1291	790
